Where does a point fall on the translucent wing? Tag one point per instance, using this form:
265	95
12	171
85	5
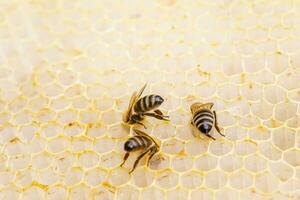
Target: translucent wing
141	92
128	112
135	96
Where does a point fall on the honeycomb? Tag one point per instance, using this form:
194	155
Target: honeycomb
68	69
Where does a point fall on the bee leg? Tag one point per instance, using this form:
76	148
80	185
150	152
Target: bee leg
160	113
156	116
124	159
138	160
135	120
154	150
210	136
216	124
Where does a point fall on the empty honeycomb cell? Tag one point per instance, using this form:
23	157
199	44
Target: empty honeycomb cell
251	91
184	133
290	45
254	63
226	119
249	121
79	192
95	130
220	148
291	185
67	116
245	147
66	77
284	138
127	192
269	151
241	179
179	117
202	193
75	91
206	162
288	79
56	192
48	177
164	131
118	176
167	179
142	178
53	90
34	193
266	182
152	192
59	103
38	103
88	159
73	176
42	160
172	146
291	157
19	162
181	164
17	104
216	179
24	178
111	117
285	111
176	194
103	145
228	91
281	170
255	163
196	147
110	160
171	103
36	145
262	109
231	163
259	133
6	177
191	179
73	129
57	145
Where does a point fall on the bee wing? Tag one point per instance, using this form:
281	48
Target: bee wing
135	96
129	109
141	92
208	105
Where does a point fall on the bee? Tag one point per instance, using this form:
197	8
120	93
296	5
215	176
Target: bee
204	118
138	108
141	141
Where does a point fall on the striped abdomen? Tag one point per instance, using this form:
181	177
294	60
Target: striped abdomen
136	143
204	120
148	103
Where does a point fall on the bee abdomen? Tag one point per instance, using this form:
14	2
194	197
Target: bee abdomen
135	143
148	103
204	120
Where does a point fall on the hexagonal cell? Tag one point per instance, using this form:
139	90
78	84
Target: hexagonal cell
118	131
177	194
255	163
95	130
79	192
179	117
74	128
19	162
110	160
277	62
73	176
202	194
57	192
74	91
292	157
269	151
58	144
206	162
53	90
88	159
216	179
191	180
118	176
231	162
67	116
164	131
235	133
172	146
142	177
48	177
34	192
245	147
42	160
266	182
284	138
290	45
227	193
152	192
285	111
104	145
228	91
59	103
251	91
182	163
127	192
281	170
249	121
220	148
111	117
64	161
17	104
274	94
288	79
259	133
262	109
166	179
